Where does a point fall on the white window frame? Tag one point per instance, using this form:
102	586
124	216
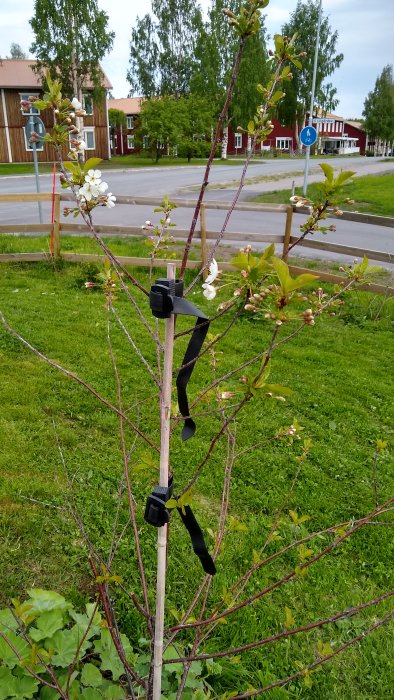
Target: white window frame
90	99
29	146
284	143
89	130
130	141
145	142
160	145
25	96
130	122
237	141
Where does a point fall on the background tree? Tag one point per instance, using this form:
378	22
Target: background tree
379	111
71	38
16	51
304	21
162	124
117	120
162	48
214	52
197	122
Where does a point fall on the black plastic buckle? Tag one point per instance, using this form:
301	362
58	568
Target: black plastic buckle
156	513
162	294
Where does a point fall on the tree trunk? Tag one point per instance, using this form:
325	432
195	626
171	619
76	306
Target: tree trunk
224	143
249	145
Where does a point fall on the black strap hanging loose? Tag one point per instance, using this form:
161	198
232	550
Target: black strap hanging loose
166	298
197	538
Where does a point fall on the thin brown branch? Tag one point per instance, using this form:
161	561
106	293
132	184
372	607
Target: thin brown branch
348	612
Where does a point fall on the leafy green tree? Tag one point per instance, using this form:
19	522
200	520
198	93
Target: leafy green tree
161	125
303	21
117	120
162	48
197	122
379	111
71	38
16	51
214	52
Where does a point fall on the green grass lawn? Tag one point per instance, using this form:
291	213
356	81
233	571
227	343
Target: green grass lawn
340	371
372	194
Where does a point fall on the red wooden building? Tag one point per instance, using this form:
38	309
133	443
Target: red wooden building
17	82
123	140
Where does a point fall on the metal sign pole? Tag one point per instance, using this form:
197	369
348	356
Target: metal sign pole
308	148
35	160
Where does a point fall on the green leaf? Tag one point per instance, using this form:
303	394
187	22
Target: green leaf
65	644
251	127
47	624
7	621
282	270
91	694
241	261
73	168
328	170
296	63
277	96
41	600
111	691
8	656
91	676
343	176
109	656
91	164
278	389
6	682
268	253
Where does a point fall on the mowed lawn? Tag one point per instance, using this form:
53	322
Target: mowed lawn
372	194
341	374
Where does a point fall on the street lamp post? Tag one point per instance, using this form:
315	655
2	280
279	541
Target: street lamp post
35	132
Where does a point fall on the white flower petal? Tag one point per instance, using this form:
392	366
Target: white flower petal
209	291
213	272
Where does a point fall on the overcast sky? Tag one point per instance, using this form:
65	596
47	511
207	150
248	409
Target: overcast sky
365	27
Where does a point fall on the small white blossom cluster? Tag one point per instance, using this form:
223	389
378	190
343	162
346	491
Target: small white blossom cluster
94	189
209	290
77	145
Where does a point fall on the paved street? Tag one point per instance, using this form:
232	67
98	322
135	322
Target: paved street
184	181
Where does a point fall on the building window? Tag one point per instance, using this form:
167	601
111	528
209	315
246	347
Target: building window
237	140
87	103
130	142
284	144
160	145
145	142
24	96
130	122
29	146
89	138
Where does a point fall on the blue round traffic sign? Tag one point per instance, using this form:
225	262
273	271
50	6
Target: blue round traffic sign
308	135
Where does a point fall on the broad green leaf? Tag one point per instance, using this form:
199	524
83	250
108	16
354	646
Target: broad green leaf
324	648
300	281
343	176
91	694
111	691
91	164
8	656
307	679
296	63
268	252
6	682
41	600
91	676
73	168
7	621
328	170
24	687
279	389
277	96
251	127
109	656
381	445
241	261
282	270
47	624
65	644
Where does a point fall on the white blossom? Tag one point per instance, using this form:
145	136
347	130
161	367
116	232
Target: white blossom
93	176
209	291
76	103
110	200
213	272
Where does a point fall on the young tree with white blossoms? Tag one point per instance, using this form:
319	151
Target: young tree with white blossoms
179	657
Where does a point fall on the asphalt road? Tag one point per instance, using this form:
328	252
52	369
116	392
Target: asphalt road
184	182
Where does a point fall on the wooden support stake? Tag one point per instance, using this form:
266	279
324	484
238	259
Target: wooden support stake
55	238
165	414
286	242
203	233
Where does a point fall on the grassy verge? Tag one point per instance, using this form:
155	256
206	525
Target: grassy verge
339	371
372	194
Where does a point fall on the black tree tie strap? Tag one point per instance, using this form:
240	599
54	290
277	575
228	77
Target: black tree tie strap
197	538
166	299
